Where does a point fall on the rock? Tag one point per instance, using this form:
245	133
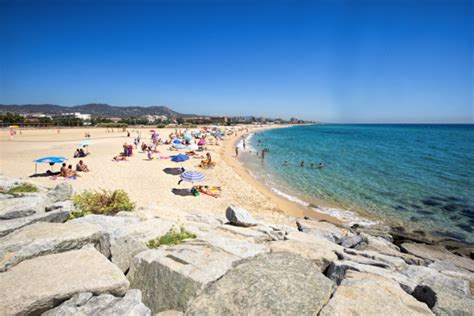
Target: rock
319	251
374	258
59	215
368	294
61	192
272	232
171	276
243	233
437	253
150	229
44	238
196	217
123	249
239	217
337	272
22	206
378	230
450	269
277	283
36	285
170	313
453	295
104	304
115	226
321	230
351	241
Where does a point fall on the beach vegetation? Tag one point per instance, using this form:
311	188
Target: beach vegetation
22	188
103	202
172	237
112	125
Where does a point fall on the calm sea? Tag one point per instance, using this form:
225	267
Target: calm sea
418	176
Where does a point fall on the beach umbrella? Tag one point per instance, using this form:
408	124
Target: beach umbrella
179	158
202	142
192	176
51	160
193	147
152	131
176	141
188	137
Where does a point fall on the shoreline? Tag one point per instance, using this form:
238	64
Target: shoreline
284	205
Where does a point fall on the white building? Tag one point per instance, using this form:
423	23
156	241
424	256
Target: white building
78	115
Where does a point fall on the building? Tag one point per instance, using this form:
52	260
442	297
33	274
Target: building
78	115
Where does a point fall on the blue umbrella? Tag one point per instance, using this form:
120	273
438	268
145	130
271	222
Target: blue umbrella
51	160
179	158
176	141
192	176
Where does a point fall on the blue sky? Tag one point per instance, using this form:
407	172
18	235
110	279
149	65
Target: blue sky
333	61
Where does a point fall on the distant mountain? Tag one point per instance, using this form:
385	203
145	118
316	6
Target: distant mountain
95	109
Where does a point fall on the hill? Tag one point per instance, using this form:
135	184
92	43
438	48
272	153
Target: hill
95	109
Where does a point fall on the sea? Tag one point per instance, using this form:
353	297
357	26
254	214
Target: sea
419	177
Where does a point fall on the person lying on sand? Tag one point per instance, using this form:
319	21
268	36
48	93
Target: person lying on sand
211	191
119	158
71	173
82	167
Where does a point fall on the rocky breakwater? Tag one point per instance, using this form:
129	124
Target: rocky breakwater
133	263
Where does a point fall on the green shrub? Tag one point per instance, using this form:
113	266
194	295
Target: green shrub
23	188
172	237
76	214
103	202
161	125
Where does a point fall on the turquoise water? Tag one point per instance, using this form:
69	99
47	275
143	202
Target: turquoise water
419	176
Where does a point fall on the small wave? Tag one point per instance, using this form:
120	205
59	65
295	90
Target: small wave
248	146
344	215
290	197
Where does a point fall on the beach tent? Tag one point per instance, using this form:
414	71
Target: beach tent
179	158
50	160
192	176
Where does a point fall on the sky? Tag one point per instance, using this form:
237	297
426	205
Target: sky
330	61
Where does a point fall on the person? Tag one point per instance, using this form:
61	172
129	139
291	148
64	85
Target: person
70	172
149	154
243	144
119	158
285	163
312	165
77	153
82	167
81	153
128	134
320	165
62	171
236	151
263	154
302	163
209	158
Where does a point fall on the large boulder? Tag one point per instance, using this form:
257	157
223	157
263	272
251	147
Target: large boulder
321	230
269	284
386	247
36	285
171	276
368	294
87	304
239	217
23	206
61	192
44	238
60	213
251	235
320	251
450	295
433	253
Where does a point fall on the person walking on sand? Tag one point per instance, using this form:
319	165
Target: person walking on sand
236	151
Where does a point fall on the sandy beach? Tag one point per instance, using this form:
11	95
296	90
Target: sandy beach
145	181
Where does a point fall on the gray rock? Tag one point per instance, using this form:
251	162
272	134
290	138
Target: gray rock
243	233
438	253
36	285
368	294
85	304
453	295
321	230
448	268
270	284
239	217
44	238
115	226
170	276
59	215
374	258
123	249
22	206
61	192
170	313
351	241
337	272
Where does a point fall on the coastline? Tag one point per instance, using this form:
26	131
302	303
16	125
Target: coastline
284	205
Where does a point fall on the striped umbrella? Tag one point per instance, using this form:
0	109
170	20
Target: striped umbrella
192	176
